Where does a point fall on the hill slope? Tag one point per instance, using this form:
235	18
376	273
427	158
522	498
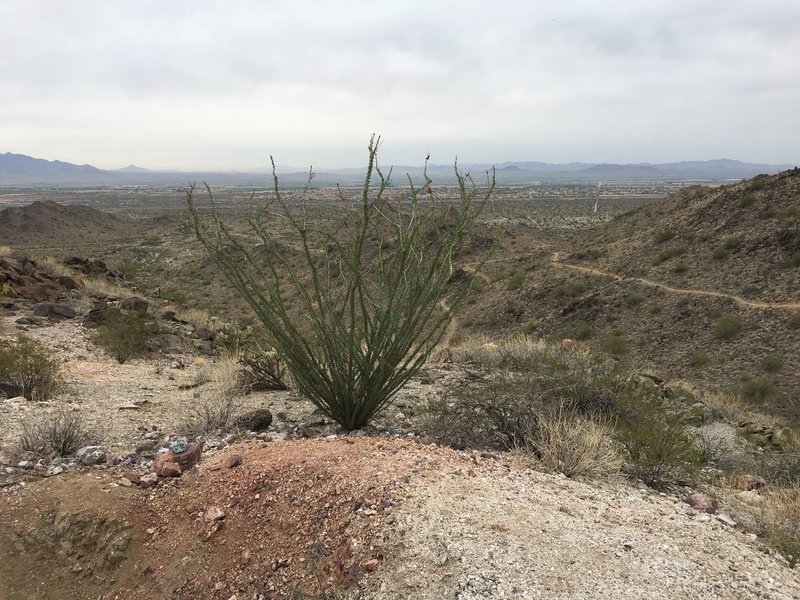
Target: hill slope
48	223
741	239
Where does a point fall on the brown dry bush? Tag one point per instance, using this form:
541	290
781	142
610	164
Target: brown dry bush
570	443
61	432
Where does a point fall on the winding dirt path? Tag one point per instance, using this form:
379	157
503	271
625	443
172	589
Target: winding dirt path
555	262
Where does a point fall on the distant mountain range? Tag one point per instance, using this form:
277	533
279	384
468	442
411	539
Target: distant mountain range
19	169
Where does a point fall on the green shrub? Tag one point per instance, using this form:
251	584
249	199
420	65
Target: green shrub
771	363
178	297
720	253
672	252
514	383
727	326
698	359
516	280
795	258
794	321
664	235
28	368
361	311
732	243
129	269
582	331
747	200
572	288
657	440
614	345
124	335
680	267
756	390
634	299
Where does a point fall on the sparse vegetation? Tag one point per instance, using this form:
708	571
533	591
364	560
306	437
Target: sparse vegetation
582	330
571	288
672	252
726	327
216	407
522	378
747	200
179	297
680	267
262	370
720	253
664	235
516	280
732	243
771	363
634	299
794	321
755	389
555	403
128	269
28	368
725	406
614	344
698	359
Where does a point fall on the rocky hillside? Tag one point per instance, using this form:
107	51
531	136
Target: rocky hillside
741	239
46	223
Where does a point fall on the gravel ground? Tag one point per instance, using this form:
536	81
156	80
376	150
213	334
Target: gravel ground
533	535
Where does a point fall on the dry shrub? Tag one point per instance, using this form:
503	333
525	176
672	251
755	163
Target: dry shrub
28	368
197	318
61	432
778	520
263	371
488	353
215	408
572	444
714	445
725	406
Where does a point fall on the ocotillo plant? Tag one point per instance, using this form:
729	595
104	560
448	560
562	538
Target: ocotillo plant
358	315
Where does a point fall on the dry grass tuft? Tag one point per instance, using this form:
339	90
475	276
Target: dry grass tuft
572	444
725	406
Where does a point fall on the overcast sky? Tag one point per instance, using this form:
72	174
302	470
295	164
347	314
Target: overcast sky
205	84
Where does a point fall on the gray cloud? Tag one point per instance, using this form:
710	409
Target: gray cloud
202	84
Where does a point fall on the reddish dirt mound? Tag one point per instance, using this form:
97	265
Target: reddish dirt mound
308	517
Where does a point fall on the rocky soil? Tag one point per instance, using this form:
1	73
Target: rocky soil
370	518
294	507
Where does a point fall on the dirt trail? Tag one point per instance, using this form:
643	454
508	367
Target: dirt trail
554	261
451	328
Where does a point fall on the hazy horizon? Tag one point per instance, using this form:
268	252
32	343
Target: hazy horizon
205	86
